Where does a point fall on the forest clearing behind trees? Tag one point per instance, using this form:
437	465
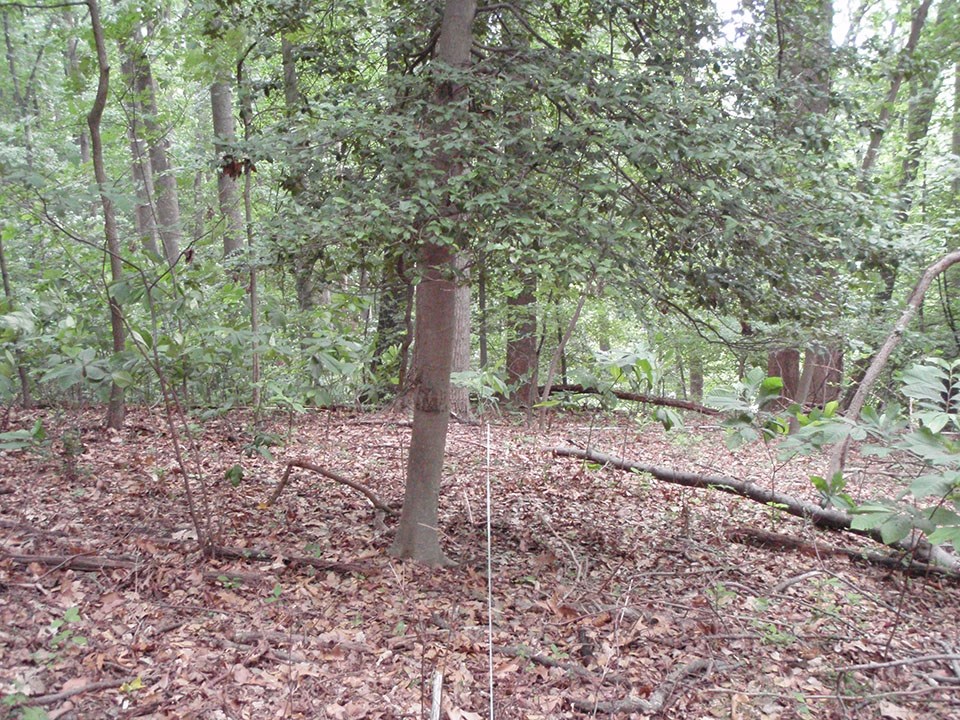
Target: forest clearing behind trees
384	359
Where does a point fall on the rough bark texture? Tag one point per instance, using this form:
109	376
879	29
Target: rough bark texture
115	408
225	138
696	378
522	357
417	534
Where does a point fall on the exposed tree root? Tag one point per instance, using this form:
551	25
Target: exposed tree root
306	465
822	517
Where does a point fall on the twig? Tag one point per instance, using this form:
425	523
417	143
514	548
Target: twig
525	654
66	694
897	663
290	561
74	562
306	465
659	697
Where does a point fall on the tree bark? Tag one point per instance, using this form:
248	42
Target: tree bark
459	395
417	535
115	409
522	356
167	199
231	166
141	171
784	363
26	399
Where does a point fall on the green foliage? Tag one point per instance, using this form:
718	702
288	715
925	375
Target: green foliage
33	439
746	408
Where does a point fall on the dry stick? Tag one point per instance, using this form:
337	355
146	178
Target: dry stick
658	698
66	694
292	561
822	517
897	663
73	562
304	464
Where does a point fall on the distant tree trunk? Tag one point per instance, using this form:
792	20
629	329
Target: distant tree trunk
696	378
904	65
26	399
482	310
140	161
231	166
955	138
522	357
417	534
167	199
785	364
115	409
246	117
460	396
395	297
75	76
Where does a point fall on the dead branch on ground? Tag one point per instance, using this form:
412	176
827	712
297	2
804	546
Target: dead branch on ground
636	397
658	698
71	562
821	517
291	561
306	465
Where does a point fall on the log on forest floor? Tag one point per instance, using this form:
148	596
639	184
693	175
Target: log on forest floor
821	517
635	397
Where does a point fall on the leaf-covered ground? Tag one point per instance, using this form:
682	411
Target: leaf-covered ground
609	590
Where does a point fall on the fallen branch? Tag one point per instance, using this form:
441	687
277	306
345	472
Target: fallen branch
525	654
658	698
636	397
52	698
306	465
292	561
72	562
898	663
821	517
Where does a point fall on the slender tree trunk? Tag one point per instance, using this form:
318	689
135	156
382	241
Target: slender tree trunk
115	409
246	117
26	399
482	310
459	395
166	196
696	378
903	66
231	166
417	535
140	160
75	76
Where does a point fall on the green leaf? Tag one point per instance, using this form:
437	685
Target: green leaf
235	475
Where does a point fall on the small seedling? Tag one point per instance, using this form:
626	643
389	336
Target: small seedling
274	595
63	635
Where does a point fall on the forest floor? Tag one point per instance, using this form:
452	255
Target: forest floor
611	591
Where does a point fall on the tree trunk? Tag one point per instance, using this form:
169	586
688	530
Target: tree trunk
115	409
522	357
75	75
231	166
906	56
167	199
459	395
696	378
784	363
26	399
140	161
417	535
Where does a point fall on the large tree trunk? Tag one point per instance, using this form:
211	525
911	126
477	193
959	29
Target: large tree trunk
231	166
784	363
115	409
417	534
